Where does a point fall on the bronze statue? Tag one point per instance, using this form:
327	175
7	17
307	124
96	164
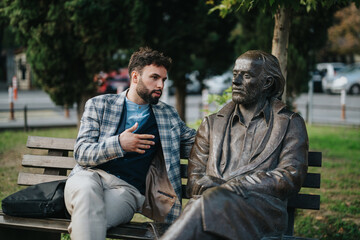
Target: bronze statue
247	160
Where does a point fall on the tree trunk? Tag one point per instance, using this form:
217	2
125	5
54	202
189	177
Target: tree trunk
281	40
81	106
180	96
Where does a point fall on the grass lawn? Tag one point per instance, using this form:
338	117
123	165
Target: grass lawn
338	218
339	215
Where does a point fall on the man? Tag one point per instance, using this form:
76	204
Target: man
128	154
247	160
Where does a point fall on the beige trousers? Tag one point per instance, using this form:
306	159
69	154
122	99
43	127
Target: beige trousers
96	201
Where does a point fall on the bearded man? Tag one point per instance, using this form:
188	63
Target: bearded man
247	160
128	154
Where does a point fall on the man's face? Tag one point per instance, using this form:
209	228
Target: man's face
151	83
247	81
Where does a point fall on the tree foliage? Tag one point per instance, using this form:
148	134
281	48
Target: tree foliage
344	36
184	30
284	13
69	41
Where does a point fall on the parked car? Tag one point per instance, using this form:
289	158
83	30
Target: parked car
348	79
218	84
328	71
112	82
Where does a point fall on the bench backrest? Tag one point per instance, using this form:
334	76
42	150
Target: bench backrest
58	161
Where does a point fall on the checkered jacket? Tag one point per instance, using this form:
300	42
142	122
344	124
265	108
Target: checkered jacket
98	143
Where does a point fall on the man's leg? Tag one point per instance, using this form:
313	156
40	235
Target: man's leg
84	200
97	201
122	200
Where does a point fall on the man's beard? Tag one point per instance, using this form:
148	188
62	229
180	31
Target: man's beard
145	93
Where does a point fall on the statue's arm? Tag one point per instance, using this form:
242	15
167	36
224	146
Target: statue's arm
198	159
287	177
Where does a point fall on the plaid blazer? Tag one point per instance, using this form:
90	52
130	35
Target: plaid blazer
98	143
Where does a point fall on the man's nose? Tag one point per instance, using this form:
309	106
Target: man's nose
160	84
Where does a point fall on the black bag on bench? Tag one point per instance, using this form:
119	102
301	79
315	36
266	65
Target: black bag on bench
39	201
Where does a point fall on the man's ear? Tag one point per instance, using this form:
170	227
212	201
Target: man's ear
269	81
134	76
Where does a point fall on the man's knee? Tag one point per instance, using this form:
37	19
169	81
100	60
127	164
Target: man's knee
83	187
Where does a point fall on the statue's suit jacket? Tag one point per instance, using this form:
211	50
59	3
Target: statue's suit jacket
251	203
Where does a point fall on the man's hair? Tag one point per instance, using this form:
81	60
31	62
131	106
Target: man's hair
146	56
271	68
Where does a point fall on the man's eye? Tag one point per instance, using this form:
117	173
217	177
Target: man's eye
246	75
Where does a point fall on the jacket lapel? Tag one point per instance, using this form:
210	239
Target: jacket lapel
164	125
217	138
277	129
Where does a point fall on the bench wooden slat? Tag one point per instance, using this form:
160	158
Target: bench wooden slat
28	179
66	144
304	201
41	161
314	159
125	231
183	170
60	225
312	180
131	231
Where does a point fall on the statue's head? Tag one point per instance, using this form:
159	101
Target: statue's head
257	73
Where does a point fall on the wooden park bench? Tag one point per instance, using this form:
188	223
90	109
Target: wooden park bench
57	162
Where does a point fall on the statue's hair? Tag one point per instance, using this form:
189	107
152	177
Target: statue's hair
271	68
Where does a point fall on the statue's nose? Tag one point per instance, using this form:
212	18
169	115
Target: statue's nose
237	80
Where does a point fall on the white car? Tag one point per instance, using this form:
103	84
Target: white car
329	71
218	84
348	79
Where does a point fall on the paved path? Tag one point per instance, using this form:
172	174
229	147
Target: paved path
43	113
327	109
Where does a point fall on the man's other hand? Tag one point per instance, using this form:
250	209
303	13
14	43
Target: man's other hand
132	142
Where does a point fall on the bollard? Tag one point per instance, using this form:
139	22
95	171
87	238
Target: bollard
310	102
15	88
342	102
67	112
11	101
26	127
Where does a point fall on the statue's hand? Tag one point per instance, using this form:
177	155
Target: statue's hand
235	186
208	182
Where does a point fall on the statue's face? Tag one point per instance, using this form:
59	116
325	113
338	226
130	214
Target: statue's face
248	80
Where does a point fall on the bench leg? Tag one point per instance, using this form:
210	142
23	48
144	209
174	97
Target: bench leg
17	234
291	220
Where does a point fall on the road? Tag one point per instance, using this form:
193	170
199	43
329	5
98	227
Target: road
43	113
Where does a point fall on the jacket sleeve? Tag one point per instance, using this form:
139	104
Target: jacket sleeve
187	139
88	151
287	177
198	159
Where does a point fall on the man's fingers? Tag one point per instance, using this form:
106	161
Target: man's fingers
144	146
145	136
133	128
140	151
146	142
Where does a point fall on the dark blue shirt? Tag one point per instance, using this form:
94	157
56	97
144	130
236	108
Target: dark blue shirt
133	167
